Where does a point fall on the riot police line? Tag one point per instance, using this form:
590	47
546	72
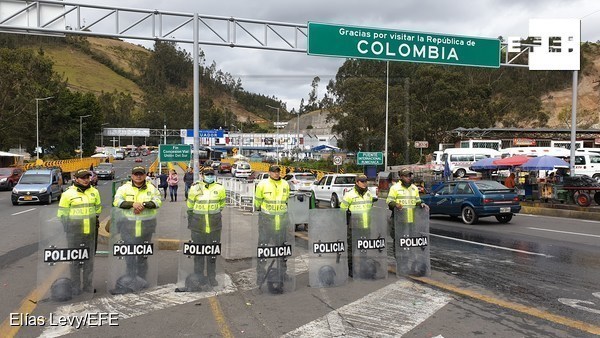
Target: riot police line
212	229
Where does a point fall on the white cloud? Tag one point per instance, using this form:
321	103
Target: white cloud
288	75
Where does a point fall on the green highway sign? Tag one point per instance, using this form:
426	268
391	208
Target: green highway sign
366	158
384	44
174	152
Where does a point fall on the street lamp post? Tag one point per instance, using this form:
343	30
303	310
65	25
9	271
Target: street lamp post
37	125
81	117
277	135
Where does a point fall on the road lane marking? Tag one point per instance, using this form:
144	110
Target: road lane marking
565	218
392	311
576	324
134	304
564	232
493	246
215	307
22	212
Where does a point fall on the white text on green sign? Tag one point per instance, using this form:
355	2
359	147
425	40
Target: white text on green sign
369	158
384	44
174	152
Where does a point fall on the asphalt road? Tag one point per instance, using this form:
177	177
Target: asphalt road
536	276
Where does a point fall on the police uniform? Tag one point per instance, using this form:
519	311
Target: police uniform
205	202
353	203
270	199
78	209
405	196
141	230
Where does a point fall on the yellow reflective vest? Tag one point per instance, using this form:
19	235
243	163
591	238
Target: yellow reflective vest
76	204
206	199
407	197
271	196
358	205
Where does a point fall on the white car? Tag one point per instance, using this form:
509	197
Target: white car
300	181
241	169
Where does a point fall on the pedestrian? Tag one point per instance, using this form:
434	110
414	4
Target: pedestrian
139	202
358	200
173	181
205	203
403	194
162	183
509	182
270	200
79	210
188	180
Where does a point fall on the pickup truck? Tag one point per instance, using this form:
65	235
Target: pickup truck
332	187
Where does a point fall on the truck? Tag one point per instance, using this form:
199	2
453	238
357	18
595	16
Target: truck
332	187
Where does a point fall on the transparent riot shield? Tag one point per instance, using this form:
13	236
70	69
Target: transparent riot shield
298	207
327	242
201	247
66	253
369	253
274	256
132	257
411	227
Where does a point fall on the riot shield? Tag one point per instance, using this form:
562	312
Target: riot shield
411	227
132	260
298	207
66	253
274	256
327	242
369	253
201	247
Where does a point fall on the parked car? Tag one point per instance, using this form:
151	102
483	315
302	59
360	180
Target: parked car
9	177
241	169
215	165
331	188
105	171
472	200
38	185
300	181
224	167
138	159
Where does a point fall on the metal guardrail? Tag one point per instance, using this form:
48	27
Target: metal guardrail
67	165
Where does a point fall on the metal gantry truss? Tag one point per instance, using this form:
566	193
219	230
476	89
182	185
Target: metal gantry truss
61	17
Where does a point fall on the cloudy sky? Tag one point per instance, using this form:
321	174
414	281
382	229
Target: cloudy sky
288	75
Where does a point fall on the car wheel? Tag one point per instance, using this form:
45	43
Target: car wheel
468	215
596	177
334	202
15	203
504	218
460	173
49	201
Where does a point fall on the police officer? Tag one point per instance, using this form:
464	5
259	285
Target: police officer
360	201
79	209
206	200
270	199
137	196
403	193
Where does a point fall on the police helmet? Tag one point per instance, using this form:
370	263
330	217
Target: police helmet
195	282
368	268
419	268
128	284
275	279
327	275
61	290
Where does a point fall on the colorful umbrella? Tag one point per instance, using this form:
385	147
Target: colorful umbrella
484	164
512	161
544	163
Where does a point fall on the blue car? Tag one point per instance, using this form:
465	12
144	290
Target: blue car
472	200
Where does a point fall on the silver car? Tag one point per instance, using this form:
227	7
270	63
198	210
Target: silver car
300	181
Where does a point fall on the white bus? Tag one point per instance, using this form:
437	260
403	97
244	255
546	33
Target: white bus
460	159
487	144
536	151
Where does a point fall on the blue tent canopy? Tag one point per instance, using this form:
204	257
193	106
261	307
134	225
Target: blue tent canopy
324	147
484	164
544	163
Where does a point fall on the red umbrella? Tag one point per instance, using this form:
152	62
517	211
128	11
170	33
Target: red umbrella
512	161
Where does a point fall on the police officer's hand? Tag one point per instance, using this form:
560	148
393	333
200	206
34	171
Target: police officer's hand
138	207
398	206
424	206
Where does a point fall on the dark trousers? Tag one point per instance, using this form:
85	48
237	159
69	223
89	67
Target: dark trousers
187	189
137	265
353	234
211	262
75	240
173	192
269	234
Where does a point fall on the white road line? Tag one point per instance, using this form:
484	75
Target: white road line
565	218
564	232
390	311
492	246
132	305
22	212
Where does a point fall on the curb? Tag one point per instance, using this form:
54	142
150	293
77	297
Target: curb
163	243
560	213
